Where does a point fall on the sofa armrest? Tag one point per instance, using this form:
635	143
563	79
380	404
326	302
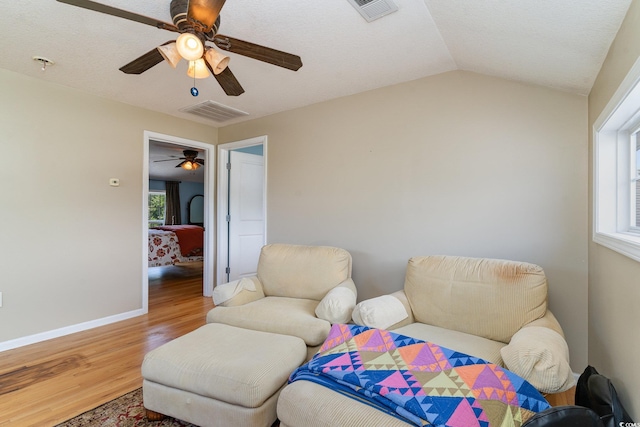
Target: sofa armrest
238	292
539	354
337	305
381	312
547	321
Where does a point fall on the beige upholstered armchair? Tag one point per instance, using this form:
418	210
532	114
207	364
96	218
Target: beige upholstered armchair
490	308
298	290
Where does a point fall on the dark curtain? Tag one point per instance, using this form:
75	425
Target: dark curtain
173	203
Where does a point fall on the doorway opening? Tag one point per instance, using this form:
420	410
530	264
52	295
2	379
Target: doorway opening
241	207
207	154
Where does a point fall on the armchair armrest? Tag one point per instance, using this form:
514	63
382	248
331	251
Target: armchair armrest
539	353
238	292
382	312
338	303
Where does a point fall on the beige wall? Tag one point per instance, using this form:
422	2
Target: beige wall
71	245
457	163
614	280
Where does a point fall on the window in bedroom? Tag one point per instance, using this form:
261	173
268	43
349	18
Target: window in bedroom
157	205
616	176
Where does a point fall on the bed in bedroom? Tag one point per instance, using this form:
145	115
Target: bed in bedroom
173	244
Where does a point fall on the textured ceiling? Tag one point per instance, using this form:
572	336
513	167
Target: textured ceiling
559	44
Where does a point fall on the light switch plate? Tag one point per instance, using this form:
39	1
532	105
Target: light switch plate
114	182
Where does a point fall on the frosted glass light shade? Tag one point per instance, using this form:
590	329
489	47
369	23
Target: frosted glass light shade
217	60
198	69
189	46
170	53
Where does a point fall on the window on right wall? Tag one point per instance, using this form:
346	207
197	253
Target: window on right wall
635	183
616	186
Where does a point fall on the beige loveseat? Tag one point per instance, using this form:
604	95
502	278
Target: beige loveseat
493	309
298	290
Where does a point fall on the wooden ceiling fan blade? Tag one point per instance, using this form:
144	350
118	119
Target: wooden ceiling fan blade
144	62
200	161
227	81
205	11
109	10
261	53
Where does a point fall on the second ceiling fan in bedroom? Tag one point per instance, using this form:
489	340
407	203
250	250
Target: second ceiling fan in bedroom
197	22
189	161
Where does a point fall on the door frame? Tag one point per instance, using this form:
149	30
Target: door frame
209	238
223	196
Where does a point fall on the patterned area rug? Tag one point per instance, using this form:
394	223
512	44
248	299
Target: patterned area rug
125	411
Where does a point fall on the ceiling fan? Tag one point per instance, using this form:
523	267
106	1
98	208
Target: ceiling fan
197	22
189	161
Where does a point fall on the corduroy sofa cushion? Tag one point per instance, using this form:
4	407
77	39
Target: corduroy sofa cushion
279	315
489	298
483	348
302	271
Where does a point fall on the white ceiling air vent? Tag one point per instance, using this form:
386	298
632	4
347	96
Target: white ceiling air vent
214	111
373	9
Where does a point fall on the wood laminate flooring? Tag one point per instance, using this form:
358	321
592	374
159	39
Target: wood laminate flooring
47	383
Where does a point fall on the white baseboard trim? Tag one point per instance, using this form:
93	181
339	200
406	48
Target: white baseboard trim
67	330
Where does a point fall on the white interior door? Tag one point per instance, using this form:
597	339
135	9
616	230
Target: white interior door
246	214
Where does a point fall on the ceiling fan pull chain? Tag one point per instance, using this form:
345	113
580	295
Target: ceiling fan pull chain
194	89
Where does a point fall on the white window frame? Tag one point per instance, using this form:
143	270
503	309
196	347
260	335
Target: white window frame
152	192
613	134
634	192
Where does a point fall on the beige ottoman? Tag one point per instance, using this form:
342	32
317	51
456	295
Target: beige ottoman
220	375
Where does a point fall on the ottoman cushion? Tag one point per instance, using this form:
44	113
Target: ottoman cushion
221	362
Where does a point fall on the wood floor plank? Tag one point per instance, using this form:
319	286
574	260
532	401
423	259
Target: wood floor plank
47	383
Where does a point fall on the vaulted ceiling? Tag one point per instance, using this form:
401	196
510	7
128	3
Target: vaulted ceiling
559	44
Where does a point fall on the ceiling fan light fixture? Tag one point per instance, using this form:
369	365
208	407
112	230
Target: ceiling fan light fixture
189	165
217	60
198	69
170	53
189	46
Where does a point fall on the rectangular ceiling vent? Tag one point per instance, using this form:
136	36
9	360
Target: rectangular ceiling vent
373	9
214	111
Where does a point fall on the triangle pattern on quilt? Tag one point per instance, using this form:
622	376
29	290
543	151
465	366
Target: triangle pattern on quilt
338	334
383	361
464	415
425	357
343	347
407	386
442	408
375	340
340	362
447	384
461	359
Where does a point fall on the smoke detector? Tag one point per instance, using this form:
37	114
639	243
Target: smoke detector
43	62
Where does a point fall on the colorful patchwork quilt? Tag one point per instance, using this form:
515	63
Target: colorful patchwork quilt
420	382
